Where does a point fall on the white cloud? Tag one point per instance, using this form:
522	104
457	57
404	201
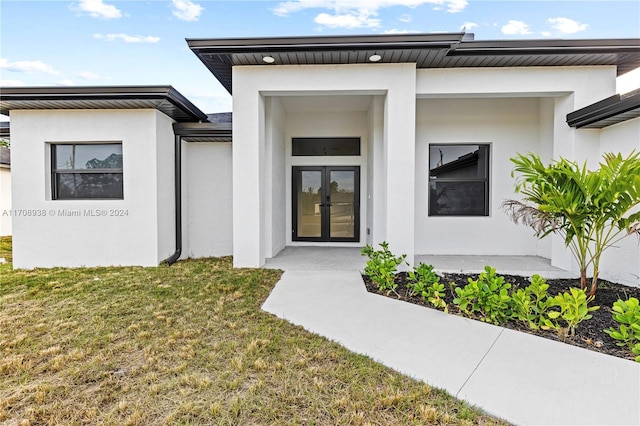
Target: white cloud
65	82
515	28
566	25
405	18
468	26
346	21
397	31
187	10
127	38
88	75
358	13
97	9
28	67
8	83
546	34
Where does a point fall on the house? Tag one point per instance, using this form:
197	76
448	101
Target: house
334	141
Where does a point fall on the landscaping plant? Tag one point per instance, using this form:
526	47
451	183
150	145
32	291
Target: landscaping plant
627	314
531	304
591	210
574	308
424	282
382	266
488	296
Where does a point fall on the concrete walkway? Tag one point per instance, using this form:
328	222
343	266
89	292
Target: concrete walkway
521	378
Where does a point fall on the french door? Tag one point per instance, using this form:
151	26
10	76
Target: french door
326	203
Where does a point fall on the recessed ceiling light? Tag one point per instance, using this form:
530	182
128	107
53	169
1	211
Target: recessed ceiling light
268	59
375	58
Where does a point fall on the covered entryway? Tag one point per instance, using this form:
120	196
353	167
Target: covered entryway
326	203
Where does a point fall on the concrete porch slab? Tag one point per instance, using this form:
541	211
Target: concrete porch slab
508	265
350	259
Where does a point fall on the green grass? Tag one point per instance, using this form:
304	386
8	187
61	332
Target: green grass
186	344
5	248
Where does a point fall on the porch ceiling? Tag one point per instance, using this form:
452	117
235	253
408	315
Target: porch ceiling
425	50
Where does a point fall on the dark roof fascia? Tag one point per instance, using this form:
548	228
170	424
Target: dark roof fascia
608	108
97	93
545	47
326	43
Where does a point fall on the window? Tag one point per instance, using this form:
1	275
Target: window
459	180
325	146
86	171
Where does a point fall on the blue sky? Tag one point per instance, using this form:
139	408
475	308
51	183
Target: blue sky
105	42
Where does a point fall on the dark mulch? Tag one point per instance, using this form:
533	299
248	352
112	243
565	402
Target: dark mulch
589	333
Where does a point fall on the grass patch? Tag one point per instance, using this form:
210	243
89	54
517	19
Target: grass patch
186	344
5	248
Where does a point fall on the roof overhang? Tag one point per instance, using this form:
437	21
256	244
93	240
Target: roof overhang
613	110
203	132
443	50
162	98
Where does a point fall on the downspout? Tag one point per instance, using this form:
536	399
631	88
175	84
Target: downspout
178	201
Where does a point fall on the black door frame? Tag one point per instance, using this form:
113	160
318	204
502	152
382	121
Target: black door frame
325	207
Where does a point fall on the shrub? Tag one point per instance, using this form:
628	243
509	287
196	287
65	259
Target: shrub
627	314
424	282
531	304
382	266
574	308
488	296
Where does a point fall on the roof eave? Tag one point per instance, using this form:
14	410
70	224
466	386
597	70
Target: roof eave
100	93
601	114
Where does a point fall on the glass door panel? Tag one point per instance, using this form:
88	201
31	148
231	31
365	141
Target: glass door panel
309	204
325	203
342	193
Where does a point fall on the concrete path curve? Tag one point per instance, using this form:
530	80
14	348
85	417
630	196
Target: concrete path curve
521	378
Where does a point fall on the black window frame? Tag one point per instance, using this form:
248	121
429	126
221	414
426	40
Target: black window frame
485	180
326	147
56	171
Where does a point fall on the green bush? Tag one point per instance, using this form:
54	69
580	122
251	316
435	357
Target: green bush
488	297
424	282
574	308
531	304
382	266
627	314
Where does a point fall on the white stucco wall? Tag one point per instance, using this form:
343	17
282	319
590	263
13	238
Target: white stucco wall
207	229
253	85
5	200
510	126
55	239
165	177
622	262
275	214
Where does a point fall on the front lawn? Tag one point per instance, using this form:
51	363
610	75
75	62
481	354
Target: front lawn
186	344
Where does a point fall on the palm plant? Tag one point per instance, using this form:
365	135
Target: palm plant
591	210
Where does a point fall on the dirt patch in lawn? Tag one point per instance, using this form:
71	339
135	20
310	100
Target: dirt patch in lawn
589	334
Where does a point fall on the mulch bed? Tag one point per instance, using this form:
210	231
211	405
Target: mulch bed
589	334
